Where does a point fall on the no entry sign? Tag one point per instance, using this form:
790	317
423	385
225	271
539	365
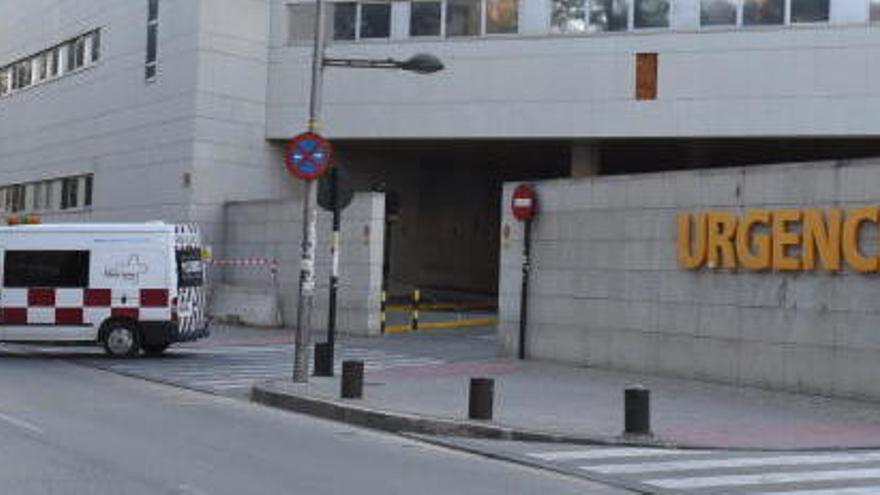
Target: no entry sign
524	203
308	156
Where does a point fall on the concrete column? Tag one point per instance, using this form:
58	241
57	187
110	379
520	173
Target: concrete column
584	159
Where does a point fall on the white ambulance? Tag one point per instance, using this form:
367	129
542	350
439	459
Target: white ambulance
128	287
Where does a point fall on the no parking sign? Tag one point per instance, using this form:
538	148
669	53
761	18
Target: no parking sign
308	156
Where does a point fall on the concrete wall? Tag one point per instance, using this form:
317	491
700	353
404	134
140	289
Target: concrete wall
607	290
816	80
273	229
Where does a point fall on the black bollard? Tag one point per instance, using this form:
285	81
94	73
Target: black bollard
323	359
352	379
637	411
480	401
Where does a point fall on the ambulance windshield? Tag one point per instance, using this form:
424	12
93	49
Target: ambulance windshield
190	272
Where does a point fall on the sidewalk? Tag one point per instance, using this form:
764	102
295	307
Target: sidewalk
561	403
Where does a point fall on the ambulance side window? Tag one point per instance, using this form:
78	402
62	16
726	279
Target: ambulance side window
66	269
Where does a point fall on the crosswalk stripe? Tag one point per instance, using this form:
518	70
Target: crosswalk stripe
861	490
764	478
610	453
796	460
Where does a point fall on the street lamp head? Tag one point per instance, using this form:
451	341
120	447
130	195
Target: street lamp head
422	63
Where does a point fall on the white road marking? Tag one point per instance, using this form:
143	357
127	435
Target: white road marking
25	425
763	479
610	453
190	490
796	460
862	490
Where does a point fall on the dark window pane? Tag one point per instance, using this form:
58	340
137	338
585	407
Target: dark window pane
344	19
502	16
153	10
152	34
810	10
54	62
189	268
425	19
569	16
87	201
609	15
80	50
71	56
718	13
375	20
763	12
150	72
96	46
875	10
463	17
652	14
69	193
46	269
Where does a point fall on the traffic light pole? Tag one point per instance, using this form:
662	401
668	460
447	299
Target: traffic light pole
306	294
334	265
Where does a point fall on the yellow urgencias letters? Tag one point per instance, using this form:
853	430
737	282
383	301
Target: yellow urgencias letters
784	239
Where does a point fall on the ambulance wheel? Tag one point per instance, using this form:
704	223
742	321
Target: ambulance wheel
154	349
121	339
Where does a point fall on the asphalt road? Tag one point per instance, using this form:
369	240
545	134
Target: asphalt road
71	429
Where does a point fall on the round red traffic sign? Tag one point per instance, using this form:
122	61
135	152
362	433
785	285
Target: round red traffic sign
308	155
525	202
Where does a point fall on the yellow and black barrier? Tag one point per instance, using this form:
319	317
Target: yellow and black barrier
417	306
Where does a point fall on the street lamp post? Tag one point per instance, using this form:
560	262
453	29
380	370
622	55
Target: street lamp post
420	64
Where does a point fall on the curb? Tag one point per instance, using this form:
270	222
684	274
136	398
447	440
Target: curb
397	422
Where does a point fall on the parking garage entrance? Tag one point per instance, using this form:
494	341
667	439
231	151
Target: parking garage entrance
443	205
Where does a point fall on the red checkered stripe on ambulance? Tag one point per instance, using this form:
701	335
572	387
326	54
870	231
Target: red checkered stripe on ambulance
50	306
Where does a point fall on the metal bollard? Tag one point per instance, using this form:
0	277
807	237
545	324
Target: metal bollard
383	312
352	379
323	359
416	300
480	400
637	411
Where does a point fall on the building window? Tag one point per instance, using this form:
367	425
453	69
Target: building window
69	193
568	16
79	52
375	20
152	39
875	10
68	269
426	19
810	11
76	192
21	75
763	12
463	17
502	16
16	197
344	16
651	14
89	185
609	15
53	61
95	46
301	25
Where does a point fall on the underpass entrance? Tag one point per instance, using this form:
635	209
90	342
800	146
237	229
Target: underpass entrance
442	211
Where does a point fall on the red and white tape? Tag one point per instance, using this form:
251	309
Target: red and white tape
245	262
